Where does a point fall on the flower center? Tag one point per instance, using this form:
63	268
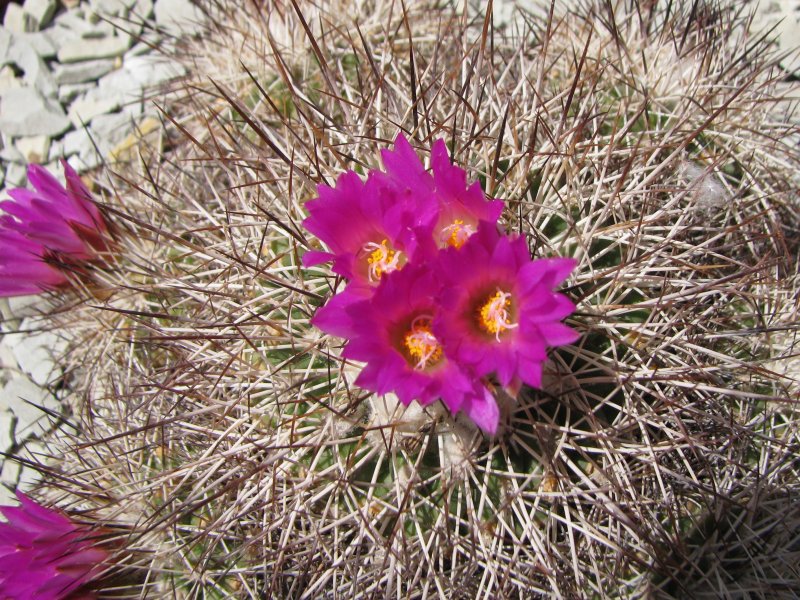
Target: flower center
493	315
421	344
456	234
381	259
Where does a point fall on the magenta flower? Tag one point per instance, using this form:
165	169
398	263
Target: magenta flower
499	311
46	232
452	209
392	332
44	555
370	232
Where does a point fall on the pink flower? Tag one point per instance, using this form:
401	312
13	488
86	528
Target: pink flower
444	199
499	311
43	554
46	232
370	232
392	332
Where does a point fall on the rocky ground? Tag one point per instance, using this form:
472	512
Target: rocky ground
79	81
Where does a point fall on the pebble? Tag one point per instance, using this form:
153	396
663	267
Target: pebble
34	351
40	41
93	48
33	149
25	398
67	92
41	11
8	80
16	175
85	109
24	111
179	16
6	429
81	72
36	73
16	20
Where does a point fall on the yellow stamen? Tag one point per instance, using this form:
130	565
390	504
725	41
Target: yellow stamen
421	344
456	234
493	315
381	259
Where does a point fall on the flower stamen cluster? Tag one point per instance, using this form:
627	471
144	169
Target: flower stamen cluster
381	259
421	344
493	315
456	234
416	311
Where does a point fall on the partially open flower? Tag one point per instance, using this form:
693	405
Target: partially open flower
47	232
392	332
499	310
44	555
444	199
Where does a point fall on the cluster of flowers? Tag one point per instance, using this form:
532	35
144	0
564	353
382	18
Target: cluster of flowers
47	232
45	555
439	301
46	235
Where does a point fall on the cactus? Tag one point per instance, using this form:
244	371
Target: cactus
222	433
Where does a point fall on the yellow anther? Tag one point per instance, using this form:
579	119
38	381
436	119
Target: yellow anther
381	259
456	234
493	315
421	344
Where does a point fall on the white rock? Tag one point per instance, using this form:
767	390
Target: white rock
85	162
67	92
7	494
179	16
56	150
16	20
111	129
16	175
142	9
35	351
10	474
88	70
41	11
25	112
88	49
12	155
28	479
24	399
5	44
149	70
6	429
61	35
8	364
133	109
84	110
20	307
8	80
138	49
127	84
36	74
119	84
77	142
73	22
111	8
34	149
40	41
100	29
